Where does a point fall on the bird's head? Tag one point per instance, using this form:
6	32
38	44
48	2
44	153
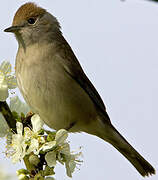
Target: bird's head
32	24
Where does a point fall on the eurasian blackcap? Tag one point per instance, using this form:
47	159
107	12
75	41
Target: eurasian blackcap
55	86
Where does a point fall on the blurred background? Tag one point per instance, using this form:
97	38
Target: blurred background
116	43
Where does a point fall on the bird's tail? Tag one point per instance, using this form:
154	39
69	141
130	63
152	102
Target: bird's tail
120	143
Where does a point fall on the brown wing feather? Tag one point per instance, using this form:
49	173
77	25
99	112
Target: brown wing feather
74	69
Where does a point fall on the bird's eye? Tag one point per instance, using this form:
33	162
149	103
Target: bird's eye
31	20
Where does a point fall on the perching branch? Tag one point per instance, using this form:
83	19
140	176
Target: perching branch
7	114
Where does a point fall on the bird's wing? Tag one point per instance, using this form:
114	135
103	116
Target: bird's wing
74	69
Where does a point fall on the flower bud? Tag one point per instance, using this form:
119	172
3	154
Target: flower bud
33	159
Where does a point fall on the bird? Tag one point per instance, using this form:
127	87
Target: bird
55	86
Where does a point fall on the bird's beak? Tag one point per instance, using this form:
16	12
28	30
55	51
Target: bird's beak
13	29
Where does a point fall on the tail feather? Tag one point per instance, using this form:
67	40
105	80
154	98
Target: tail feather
120	143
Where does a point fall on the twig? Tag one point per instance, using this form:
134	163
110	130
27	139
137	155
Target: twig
7	114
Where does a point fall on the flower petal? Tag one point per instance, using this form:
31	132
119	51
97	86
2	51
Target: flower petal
4	128
5	67
3	91
19	153
72	165
17	105
68	170
23	177
33	146
2	77
65	149
61	136
48	145
28	133
19	127
11	81
50	158
37	123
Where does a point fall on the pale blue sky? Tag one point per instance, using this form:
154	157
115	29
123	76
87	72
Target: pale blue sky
117	44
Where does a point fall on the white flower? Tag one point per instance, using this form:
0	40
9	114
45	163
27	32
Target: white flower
29	141
37	125
18	144
23	144
62	149
7	81
60	138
